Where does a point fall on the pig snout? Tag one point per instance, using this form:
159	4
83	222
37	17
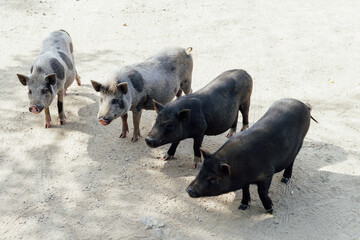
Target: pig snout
191	191
104	121
35	109
150	142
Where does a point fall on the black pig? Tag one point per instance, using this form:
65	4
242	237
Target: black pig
253	156
210	111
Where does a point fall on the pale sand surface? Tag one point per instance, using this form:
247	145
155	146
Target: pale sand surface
81	181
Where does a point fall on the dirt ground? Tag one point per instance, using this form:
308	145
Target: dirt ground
80	181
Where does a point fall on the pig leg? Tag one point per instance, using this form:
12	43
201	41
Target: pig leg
47	117
60	105
288	171
197	153
287	174
246	198
136	122
186	86
171	152
125	127
233	127
263	190
244	109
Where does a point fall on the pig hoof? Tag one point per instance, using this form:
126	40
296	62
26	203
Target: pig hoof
229	135
179	93
134	139
167	157
62	122
244	127
47	125
231	132
243	206
269	211
197	162
197	165
123	135
285	180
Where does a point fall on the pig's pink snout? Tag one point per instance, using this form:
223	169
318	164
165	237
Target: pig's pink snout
34	109
103	121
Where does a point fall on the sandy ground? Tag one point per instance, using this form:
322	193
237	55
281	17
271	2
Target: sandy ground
80	181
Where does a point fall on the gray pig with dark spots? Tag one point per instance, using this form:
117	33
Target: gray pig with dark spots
255	155
52	72
210	111
133	88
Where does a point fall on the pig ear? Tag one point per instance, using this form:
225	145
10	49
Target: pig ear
122	87
158	106
205	153
184	114
51	78
23	79
225	168
96	85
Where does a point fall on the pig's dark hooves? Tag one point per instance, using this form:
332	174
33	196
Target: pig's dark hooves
244	127
270	211
134	139
243	206
122	135
197	162
197	165
285	180
62	122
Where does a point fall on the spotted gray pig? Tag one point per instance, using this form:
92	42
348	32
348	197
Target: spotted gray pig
255	155
210	111
134	87
52	72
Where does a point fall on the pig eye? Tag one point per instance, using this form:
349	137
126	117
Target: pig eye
30	92
213	180
169	126
44	91
115	101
